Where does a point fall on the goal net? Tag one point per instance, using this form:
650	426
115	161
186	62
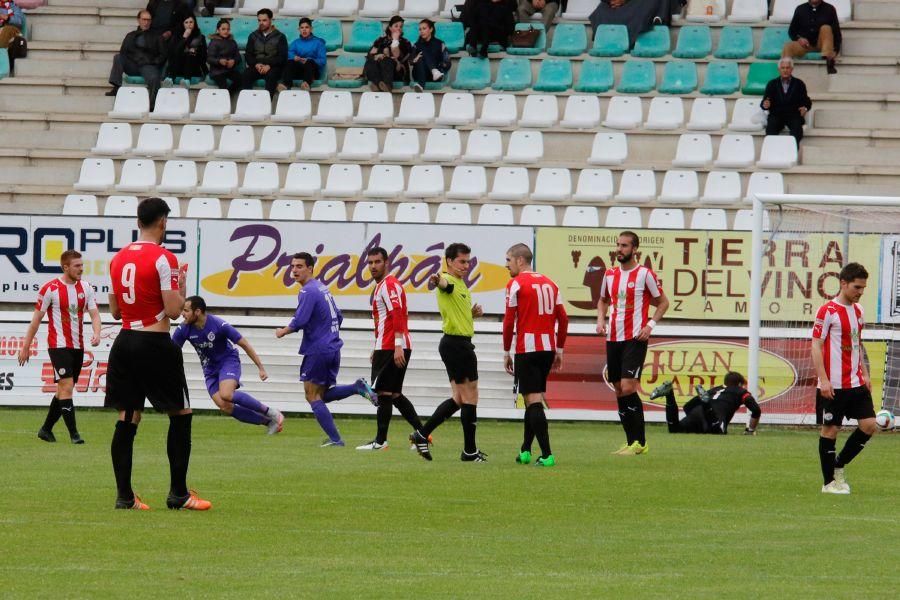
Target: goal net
800	244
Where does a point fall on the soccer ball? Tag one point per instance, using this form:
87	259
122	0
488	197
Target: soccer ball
884	420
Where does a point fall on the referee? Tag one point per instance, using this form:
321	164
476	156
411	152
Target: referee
458	353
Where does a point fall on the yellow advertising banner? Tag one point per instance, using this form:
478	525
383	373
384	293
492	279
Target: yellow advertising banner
706	275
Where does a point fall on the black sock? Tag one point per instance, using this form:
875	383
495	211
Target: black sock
535	414
469	418
383	418
68	415
528	438
53	414
636	408
625	418
122	450
854	445
178	447
408	411
671	413
444	411
826	459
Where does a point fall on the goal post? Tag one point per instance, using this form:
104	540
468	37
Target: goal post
836	229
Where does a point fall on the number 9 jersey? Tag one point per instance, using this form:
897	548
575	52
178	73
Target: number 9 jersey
140	272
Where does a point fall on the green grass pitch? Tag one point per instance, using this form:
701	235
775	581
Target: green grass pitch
699	517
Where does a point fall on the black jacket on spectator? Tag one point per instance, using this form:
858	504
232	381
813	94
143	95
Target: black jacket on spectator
218	49
144	48
188	56
809	19
489	21
266	49
434	52
168	15
382	45
789	104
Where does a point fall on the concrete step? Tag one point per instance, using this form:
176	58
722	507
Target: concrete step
883	12
857	119
131	4
40	103
849	82
62	32
868	43
36	67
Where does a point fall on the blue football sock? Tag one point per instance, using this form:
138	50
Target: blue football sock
247	401
339	392
326	421
245	415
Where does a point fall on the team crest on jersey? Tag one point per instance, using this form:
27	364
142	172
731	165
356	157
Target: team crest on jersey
81	296
211	336
630	284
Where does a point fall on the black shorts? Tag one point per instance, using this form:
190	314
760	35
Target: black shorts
458	354
66	363
625	360
145	364
854	403
386	375
531	371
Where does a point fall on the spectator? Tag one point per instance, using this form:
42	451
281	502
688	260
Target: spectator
815	28
266	54
547	8
431	60
168	16
388	58
636	15
11	21
187	58
305	60
787	102
488	21
223	57
143	53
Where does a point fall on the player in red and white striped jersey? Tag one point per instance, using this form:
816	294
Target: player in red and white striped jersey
64	300
845	389
393	348
630	289
534	310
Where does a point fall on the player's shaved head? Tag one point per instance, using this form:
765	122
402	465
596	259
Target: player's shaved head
151	210
521	251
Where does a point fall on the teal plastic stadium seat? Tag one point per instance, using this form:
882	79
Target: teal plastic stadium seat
411	30
610	40
638	77
735	41
363	34
207	25
721	78
242	27
653	43
348	60
513	74
679	77
596	77
4	63
472	74
329	30
539	46
555	75
773	40
133	79
694	41
569	39
289	27
452	34
760	74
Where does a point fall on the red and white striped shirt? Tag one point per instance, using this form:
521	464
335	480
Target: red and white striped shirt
140	272
533	306
390	313
629	294
65	304
840	327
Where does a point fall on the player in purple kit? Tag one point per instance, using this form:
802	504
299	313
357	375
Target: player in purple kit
320	320
213	340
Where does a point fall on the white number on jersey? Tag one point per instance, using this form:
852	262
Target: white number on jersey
129	271
544	295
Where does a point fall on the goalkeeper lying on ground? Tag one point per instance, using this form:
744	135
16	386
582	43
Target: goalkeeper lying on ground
710	411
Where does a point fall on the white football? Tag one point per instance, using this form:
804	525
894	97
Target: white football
884	420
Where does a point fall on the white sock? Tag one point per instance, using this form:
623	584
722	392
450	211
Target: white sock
436	75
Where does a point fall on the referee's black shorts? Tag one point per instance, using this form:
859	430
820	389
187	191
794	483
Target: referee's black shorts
458	354
854	403
625	360
387	377
145	364
66	363
531	370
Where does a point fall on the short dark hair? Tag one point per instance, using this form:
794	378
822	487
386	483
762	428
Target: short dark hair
378	250
67	257
521	251
308	259
151	210
264	11
733	378
394	19
223	22
454	250
853	271
635	240
197	303
305	20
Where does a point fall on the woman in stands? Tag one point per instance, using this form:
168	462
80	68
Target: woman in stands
488	21
431	60
187	57
388	58
223	57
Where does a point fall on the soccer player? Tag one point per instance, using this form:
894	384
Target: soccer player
64	299
319	318
458	353
534	310
710	411
212	338
147	292
393	348
844	384
630	289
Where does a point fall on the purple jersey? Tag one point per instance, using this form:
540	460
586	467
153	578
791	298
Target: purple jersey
213	343
319	318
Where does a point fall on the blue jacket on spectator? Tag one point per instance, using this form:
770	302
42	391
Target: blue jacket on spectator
311	48
17	18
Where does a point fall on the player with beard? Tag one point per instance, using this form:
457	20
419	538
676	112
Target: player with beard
629	289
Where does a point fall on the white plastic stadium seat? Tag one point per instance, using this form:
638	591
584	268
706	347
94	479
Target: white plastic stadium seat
318	143
468	183
260	179
360	143
747	115
442	145
498	110
764	183
694	150
212	105
154	139
419	9
425	181
709	219
338	8
328	210
701	16
666	218
172	103
496	214
174	206
581	216
252	105
743	220
707	114
97	174
196	141
749	11
303	179
375	108
637	186
581	112
204	208
120	206
736	151
416	109
680	187
624	217
385	181
299	8
113	139
138	175
624	112
131	103
579	10
525	146
277	141
778	152
783	10
287	210
80	205
453	213
483	145
538	214
370	212
178	177
457	109
334	107
236	141
344	181
510	183
412	212
552	184
249	7
665	113
844	9
722	187
219	178
540	111
594	185
401	145
609	149
245	208
379	8
293	106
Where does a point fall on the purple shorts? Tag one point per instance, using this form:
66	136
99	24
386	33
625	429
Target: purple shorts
321	369
230	368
